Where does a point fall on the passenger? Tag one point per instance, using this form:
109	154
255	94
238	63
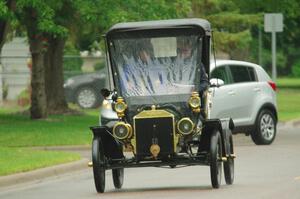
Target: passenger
185	52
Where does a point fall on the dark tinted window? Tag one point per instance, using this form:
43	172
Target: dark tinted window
242	74
222	74
252	73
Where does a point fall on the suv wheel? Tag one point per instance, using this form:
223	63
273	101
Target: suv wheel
265	128
86	97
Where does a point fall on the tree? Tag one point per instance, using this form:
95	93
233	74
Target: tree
49	23
231	29
37	17
288	42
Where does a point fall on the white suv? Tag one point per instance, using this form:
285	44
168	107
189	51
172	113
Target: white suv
247	95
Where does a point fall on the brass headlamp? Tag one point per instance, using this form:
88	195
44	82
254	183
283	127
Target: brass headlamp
122	130
120	107
185	126
195	102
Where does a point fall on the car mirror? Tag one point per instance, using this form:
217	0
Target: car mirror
214	82
105	92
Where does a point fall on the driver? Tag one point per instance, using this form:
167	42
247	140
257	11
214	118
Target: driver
185	52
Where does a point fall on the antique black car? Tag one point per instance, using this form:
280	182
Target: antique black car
163	115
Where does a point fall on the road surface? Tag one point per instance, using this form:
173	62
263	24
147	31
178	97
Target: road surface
260	172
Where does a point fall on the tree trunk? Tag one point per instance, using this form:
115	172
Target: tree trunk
56	103
38	107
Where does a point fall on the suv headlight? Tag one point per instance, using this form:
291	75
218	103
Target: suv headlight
69	82
122	130
185	126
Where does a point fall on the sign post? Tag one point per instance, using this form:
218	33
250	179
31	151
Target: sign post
273	23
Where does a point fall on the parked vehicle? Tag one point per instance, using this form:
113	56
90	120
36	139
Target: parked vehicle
84	90
248	96
162	119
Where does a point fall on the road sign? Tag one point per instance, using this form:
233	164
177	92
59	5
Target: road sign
273	22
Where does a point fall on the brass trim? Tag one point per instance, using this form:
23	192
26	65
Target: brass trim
154	150
120	113
185	119
90	164
195	95
127	126
154	113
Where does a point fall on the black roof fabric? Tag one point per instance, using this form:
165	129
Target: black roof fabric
162	24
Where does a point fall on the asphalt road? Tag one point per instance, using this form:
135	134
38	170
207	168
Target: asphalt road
261	172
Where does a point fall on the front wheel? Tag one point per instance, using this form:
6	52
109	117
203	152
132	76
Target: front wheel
98	165
215	159
118	177
229	164
265	128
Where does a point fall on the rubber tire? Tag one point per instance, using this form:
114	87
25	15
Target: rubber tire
98	165
215	163
256	135
118	177
228	166
97	95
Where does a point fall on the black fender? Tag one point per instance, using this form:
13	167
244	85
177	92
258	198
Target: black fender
224	126
112	148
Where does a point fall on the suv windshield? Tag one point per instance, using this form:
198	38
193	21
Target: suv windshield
156	65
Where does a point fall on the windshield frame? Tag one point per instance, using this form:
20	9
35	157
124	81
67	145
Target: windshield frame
152	33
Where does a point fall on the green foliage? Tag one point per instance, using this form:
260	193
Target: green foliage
99	65
296	69
4	12
231	28
106	13
44	12
72	60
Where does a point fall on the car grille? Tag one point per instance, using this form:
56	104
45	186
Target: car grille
154	127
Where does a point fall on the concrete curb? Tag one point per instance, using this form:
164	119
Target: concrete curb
10	180
290	123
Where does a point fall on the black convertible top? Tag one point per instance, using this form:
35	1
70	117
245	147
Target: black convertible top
171	23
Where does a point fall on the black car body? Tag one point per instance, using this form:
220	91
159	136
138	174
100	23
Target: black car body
154	89
84	89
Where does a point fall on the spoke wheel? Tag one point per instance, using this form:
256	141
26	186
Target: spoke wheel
215	159
265	130
118	177
98	165
229	165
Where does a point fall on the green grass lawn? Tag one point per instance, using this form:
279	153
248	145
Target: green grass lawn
17	131
288	104
287	82
15	160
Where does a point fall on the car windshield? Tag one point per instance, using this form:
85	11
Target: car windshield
156	65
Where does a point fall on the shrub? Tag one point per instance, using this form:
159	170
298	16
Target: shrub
99	65
296	69
72	60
